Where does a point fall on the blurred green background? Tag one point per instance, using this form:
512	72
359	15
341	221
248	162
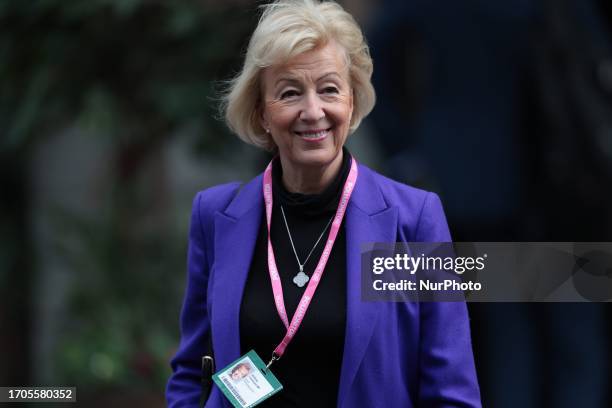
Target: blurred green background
108	129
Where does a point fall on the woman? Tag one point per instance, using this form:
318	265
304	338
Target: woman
257	253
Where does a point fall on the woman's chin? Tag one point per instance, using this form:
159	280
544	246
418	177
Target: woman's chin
315	157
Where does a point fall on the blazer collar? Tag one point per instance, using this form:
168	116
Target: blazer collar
366	195
368	219
248	196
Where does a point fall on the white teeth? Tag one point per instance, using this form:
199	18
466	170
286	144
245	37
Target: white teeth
313	135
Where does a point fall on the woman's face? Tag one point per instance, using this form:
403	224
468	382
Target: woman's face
307	106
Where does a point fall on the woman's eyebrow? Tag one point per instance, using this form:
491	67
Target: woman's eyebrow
329	74
293	79
290	79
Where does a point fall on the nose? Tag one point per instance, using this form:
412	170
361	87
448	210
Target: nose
312	109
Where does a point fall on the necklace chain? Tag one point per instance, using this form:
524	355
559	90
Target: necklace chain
293	246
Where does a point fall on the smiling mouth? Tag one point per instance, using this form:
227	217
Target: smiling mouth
315	135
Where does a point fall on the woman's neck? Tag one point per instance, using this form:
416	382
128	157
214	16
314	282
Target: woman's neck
310	180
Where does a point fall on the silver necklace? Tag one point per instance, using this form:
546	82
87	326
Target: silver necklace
301	278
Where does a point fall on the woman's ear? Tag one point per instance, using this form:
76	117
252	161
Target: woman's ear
262	120
352	106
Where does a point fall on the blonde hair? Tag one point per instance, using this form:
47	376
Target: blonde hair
288	28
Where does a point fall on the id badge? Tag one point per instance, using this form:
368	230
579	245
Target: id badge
246	382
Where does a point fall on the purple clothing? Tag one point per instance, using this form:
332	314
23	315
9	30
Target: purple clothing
395	354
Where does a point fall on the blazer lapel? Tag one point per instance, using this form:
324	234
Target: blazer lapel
235	235
368	219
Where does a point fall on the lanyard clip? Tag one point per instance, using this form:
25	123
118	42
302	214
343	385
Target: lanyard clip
274	358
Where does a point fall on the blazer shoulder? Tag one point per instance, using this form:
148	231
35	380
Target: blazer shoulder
420	212
394	192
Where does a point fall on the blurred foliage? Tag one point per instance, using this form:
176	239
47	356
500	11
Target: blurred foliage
121	324
134	71
131	69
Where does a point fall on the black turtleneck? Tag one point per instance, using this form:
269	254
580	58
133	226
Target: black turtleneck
310	368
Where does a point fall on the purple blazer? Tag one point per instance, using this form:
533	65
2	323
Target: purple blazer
395	354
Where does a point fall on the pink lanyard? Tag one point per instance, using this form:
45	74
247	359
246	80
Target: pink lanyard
277	287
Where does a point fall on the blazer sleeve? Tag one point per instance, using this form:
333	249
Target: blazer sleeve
184	387
447	371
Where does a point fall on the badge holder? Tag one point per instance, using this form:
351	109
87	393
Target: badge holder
247	381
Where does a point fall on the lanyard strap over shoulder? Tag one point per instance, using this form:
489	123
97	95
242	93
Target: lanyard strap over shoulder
309	292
